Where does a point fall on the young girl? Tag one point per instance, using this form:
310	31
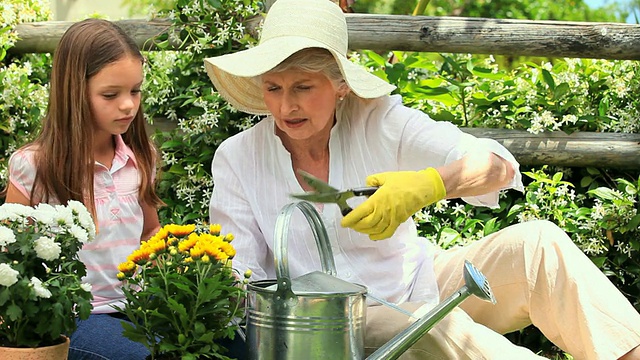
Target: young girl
94	148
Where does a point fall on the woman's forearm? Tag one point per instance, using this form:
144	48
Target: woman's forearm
476	174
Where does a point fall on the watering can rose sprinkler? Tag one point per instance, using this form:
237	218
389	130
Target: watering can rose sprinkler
319	316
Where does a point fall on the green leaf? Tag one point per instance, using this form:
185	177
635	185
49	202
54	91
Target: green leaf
487	74
599	261
216	4
604	193
171	144
490	226
634	222
557	177
177	169
448	237
14	312
548	78
586	181
379	60
432	91
593	171
561	90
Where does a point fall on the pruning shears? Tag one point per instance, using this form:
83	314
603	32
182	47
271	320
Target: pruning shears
325	193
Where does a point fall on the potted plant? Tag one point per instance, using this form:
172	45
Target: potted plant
41	289
182	296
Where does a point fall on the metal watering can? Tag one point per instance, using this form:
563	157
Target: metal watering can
318	316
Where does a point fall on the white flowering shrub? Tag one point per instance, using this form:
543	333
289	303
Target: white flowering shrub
177	88
41	289
23	80
568	95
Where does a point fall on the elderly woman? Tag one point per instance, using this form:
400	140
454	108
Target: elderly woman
331	118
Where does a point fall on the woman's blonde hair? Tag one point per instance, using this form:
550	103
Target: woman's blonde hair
314	60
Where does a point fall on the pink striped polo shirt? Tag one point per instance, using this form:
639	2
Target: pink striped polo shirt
119	213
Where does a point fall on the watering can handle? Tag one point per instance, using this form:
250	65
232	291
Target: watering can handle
280	243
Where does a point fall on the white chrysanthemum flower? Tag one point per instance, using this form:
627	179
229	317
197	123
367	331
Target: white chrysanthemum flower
13	212
41	290
79	233
64	215
8	276
45	213
86	287
6	236
46	248
77	207
84	217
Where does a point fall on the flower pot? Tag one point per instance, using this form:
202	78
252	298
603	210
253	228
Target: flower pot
53	352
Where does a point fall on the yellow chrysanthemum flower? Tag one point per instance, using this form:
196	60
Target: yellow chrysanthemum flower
210	249
180	230
156	245
228	249
186	244
127	268
222	256
162	234
215	229
196	252
139	256
172	241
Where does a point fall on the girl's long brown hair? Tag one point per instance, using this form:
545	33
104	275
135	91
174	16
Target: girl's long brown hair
63	154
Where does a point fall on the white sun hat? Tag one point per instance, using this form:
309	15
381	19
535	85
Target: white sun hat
290	26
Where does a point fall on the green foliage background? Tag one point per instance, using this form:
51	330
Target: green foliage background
597	207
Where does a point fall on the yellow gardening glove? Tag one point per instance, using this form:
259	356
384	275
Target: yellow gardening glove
401	194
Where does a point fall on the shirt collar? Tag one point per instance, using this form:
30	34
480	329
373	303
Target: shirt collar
123	152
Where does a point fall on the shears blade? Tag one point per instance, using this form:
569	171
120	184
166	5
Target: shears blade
326	193
319	185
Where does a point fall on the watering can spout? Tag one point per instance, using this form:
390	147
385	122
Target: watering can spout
475	284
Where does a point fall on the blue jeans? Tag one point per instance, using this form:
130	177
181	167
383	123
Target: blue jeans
100	338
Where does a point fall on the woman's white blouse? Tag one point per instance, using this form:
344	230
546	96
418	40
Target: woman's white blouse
253	178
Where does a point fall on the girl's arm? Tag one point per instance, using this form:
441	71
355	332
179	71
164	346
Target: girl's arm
151	223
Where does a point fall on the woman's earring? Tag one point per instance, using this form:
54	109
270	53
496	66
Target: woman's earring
341	98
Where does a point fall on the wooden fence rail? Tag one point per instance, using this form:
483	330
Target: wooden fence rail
419	33
456	35
580	149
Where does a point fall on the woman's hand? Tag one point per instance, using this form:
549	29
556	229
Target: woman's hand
401	194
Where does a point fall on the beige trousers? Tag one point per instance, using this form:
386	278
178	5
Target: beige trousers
538	277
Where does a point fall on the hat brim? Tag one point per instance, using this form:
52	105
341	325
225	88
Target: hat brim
233	75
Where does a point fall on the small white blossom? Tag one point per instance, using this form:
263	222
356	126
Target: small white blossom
86	287
458	209
46	248
8	276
